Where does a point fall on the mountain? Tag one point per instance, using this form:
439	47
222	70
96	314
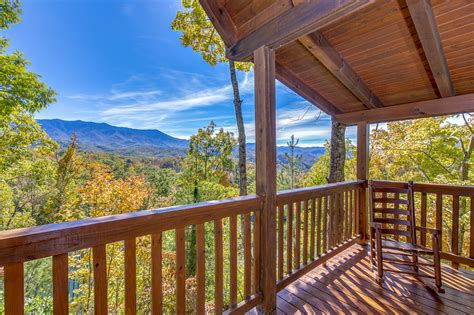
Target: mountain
102	137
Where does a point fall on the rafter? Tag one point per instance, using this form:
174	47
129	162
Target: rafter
441	106
294	23
221	21
298	86
320	47
423	18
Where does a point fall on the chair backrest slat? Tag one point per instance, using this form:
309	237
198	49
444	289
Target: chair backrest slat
393	207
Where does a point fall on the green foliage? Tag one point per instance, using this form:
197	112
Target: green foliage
10	11
199	33
290	173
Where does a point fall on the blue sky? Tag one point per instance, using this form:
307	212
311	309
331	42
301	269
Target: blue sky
119	62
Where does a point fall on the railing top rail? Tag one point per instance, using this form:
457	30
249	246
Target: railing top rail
318	191
48	240
449	189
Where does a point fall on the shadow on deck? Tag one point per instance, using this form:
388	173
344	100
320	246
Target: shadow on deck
346	285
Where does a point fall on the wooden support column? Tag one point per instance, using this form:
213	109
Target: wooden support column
363	174
265	136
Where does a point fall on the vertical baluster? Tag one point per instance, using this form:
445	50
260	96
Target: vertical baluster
423	219
318	227
305	231
280	241
256	250
297	234
350	213
233	260
471	245
219	267
384	205
289	240
346	215
396	216
312	241
247	256
455	229
331	221
130	276
200	269
439	214
325	223
180	271
156	276
100	279
14	288
60	284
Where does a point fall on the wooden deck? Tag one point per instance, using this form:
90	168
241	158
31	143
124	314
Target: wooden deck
346	285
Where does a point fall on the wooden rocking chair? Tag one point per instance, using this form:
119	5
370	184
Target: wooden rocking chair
398	222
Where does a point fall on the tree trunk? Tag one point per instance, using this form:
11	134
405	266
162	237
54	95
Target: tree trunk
336	174
241	131
338	152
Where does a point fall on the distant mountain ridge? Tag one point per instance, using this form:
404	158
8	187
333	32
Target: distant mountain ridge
102	137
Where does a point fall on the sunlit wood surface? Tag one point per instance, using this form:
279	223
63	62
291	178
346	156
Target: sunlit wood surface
346	285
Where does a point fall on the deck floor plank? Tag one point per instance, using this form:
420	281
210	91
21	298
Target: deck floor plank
347	285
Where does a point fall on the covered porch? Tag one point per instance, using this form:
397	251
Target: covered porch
304	250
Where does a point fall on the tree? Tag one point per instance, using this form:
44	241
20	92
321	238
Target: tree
199	34
290	168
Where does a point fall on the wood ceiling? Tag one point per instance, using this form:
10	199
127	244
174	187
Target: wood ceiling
356	59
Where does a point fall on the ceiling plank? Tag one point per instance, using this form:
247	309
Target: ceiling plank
221	20
320	47
298	86
423	18
294	23
438	107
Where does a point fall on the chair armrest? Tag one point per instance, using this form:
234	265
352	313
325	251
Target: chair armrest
428	230
376	225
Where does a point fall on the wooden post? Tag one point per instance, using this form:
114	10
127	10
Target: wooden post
265	136
363	174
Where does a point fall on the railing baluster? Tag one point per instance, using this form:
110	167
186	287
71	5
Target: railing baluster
60	284
331	221
156	276
305	231
312	244
396	216
350	212
200	269
14	288
455	229
130	276
325	223
289	240
280	240
233	259
346	215
180	271
297	234
423	219
439	214
247	256
471	245
219	267
318	227
256	250
100	279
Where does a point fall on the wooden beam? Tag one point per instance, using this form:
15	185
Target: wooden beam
221	21
362	174
294	23
437	107
265	153
298	86
320	47
423	18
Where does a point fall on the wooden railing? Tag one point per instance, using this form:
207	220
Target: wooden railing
449	208
314	224
58	240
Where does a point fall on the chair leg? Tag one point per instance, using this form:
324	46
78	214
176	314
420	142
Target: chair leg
415	261
378	239
437	263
